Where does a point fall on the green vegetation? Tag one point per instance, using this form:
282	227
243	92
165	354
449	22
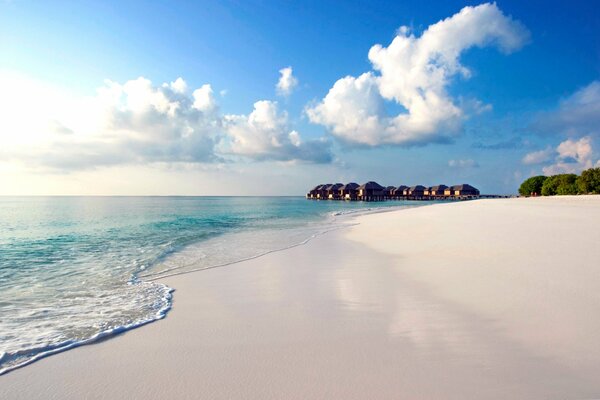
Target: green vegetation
563	184
589	181
532	185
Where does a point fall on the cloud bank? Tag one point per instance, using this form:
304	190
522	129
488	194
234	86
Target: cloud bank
134	122
578	118
265	135
414	72
140	122
570	156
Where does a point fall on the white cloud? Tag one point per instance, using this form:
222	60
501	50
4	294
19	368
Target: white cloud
578	115
287	82
467	163
580	150
146	123
134	122
137	122
352	109
572	156
538	157
179	85
204	99
414	72
265	135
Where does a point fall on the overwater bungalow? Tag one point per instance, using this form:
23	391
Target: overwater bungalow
349	191
399	191
437	191
388	192
465	190
416	191
322	192
333	191
312	193
370	191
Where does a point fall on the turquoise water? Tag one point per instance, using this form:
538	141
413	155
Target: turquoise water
74	269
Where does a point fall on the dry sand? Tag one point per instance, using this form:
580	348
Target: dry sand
489	299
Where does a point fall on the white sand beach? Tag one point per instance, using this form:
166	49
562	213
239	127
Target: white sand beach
487	299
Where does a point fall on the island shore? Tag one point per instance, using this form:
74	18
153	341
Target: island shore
487	299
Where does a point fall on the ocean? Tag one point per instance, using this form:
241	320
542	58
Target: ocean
76	269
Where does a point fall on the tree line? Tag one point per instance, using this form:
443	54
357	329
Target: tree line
562	184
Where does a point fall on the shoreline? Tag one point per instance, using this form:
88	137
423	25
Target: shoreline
345	215
357	313
350	214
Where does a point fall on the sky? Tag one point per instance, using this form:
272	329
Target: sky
275	97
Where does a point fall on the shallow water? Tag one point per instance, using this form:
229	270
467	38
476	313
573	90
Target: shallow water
73	269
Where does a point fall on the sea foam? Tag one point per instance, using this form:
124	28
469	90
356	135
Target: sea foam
75	270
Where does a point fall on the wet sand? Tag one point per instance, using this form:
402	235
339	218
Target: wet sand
489	299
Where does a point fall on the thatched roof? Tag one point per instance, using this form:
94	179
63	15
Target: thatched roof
335	186
399	190
349	186
439	187
464	186
418	187
371	186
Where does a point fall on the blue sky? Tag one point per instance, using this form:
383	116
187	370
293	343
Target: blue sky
529	103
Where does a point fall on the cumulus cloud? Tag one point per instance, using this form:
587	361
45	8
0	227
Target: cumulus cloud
204	100
265	134
538	157
353	109
134	122
580	150
572	156
138	122
414	72
147	123
178	86
467	163
287	82
576	116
